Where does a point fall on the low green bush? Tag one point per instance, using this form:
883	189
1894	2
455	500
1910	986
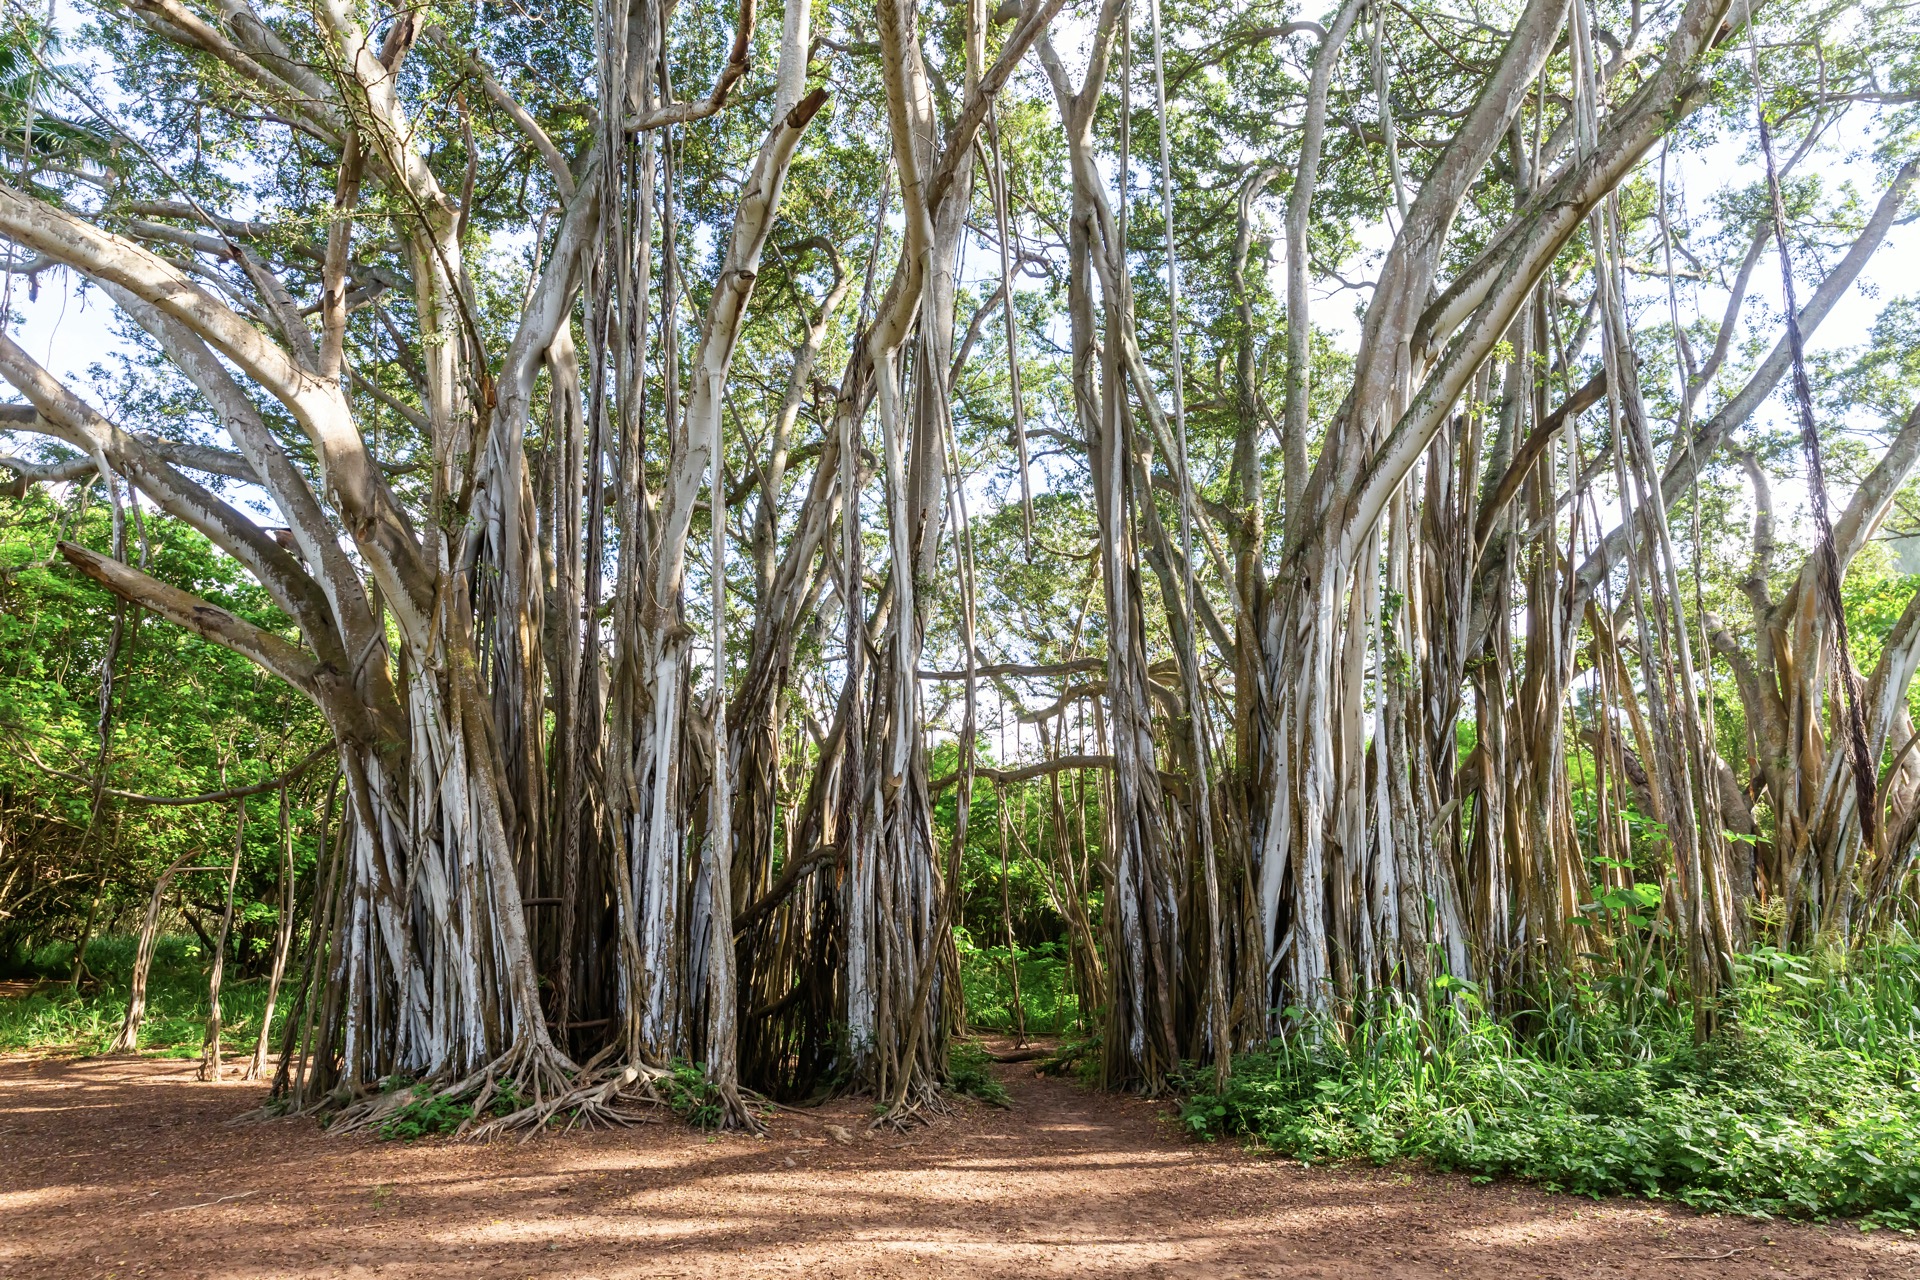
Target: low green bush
693	1097
432	1113
970	1071
1078	1057
1804	1103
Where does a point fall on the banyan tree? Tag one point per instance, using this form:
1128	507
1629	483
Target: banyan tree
691	437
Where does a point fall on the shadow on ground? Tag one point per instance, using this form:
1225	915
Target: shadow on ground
128	1167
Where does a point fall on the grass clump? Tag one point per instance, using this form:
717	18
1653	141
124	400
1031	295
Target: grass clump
1804	1103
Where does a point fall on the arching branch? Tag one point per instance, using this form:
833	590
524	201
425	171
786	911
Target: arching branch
208	621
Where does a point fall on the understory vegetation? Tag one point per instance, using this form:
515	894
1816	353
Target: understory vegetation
50	1015
1805	1102
1039	1001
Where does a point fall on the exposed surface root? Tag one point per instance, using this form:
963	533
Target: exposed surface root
533	1073
525	1091
596	1097
735	1115
921	1104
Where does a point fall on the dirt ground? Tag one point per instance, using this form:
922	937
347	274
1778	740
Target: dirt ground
118	1167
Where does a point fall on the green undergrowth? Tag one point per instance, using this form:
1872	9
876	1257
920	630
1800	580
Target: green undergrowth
433	1114
52	1017
1048	1005
970	1071
1075	1057
1805	1102
692	1096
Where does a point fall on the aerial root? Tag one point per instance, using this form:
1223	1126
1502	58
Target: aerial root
735	1115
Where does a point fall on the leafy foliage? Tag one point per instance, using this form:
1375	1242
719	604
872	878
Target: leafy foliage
1805	1103
1047	996
430	1114
970	1071
436	1113
188	718
52	1017
693	1097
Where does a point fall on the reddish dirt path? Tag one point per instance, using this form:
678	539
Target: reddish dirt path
124	1168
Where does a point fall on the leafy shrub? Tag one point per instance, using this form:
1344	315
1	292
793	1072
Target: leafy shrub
1079	1058
433	1113
970	1071
1781	1112
693	1097
508	1099
430	1114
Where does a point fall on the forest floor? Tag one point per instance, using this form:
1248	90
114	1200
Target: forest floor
127	1167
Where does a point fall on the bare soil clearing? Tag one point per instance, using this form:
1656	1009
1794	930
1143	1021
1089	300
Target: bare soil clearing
124	1167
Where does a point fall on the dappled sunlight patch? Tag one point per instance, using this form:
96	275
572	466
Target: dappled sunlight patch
15	1201
1066	1184
1539	1230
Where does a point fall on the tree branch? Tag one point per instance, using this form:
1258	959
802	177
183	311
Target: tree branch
208	621
196	457
556	163
1042	670
730	75
1529	452
1059	764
